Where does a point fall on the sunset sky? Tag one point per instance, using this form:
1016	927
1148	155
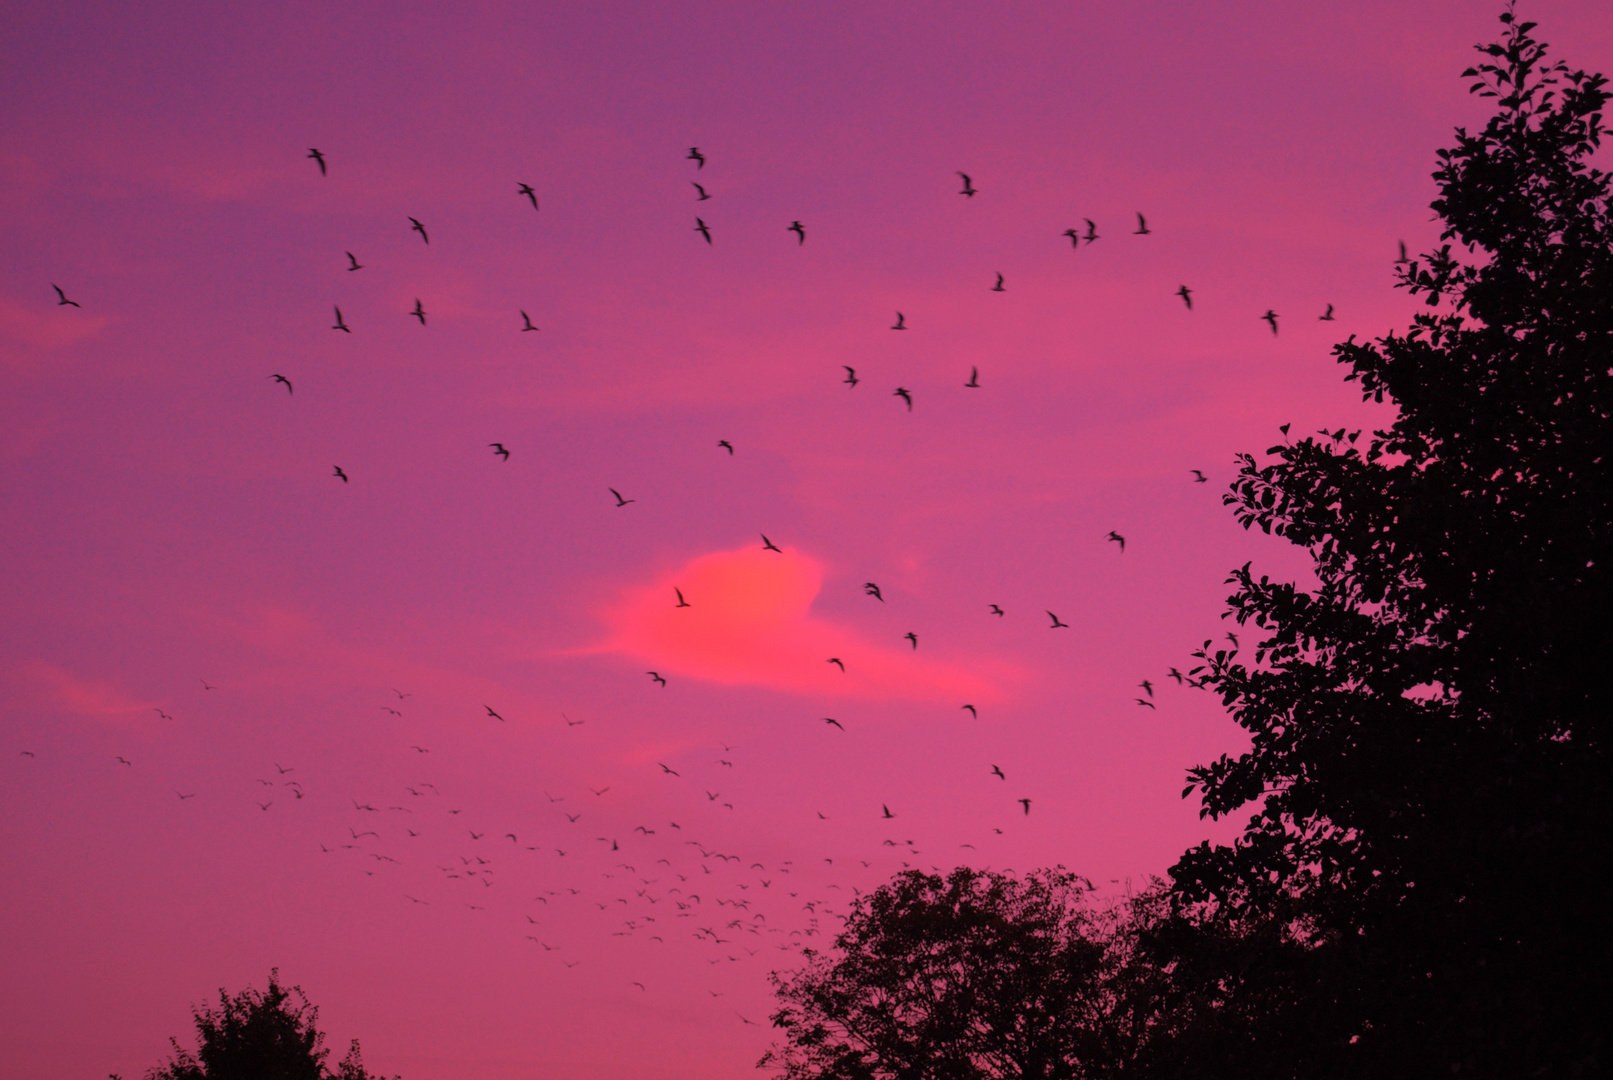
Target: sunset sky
189	587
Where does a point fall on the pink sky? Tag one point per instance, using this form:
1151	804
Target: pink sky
171	516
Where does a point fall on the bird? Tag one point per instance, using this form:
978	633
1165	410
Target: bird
123	760
997	611
998	773
1026	803
703	196
768	545
873	590
1057	622
160	713
61	298
207	685
656	677
969	189
1177	675
914	638
574	723
1115	537
526	189
1232	637
799	230
419	311
972	711
1187	296
619	500
839	663
901	322
702	228
527	320
415	226
1144	701
666	769
905	394
1075	238
974	379
352	262
283	379
1403	258
1092	231
491	713
851	375
264	806
1142	228
999	286
834	722
696	156
1198	477
315	155
681	601
1271	317
886	811
183	796
1148	687
1326	316
726	445
340	325
339	474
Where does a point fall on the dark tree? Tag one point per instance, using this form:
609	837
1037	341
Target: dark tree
972	976
1421	888
260	1036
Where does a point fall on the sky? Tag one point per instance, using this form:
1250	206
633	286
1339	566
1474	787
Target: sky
398	735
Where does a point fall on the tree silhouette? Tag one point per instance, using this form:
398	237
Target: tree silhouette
1418	890
260	1036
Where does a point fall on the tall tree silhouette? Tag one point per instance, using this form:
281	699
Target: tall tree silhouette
270	1035
1419	888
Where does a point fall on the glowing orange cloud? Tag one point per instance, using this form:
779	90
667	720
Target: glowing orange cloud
749	621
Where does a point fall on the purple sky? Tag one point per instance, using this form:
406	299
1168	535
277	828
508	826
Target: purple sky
172	521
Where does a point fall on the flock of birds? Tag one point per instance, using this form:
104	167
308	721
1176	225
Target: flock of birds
661	879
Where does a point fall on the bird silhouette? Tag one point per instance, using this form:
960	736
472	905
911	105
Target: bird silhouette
667	769
702	228
833	721
1075	238
315	155
997	611
1148	687
183	796
873	590
498	449
1187	296
1057	622
491	713
998	773
839	663
340	475
1092	231
340	325
61	298
1271	317
527	320
352	262
1403	257
1142	228
1326	316
419	311
123	760
901	322
1116	538
799	230
702	197
851	375
768	545
415	226
619	500
885	811
283	379
696	156
914	638
726	445
972	711
1144	701
1026	803
655	676
969	190
1177	675
526	189
1198	477
999	286
681	601
974	379
905	394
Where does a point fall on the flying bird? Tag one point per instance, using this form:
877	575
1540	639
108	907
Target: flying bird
1271	317
972	711
1187	296
1177	675
901	322
619	500
340	325
969	190
1198	477
498	449
839	663
696	156
851	375
283	379
123	760
491	713
768	545
799	230
1075	238
339	474
1326	316
702	197
974	379
702	228
419	311
415	226
886	811
1026	803
61	298
1148	687
905	394
1092	231
726	445
873	590
526	189
681	601
1116	538
914	638
1057	622
1403	257
656	677
999	286
666	769
1144	701
997	611
998	773
352	262
183	796
1142	228
315	155
527	320
832	720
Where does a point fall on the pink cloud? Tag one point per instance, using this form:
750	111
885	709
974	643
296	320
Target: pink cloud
750	622
46	327
42	682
